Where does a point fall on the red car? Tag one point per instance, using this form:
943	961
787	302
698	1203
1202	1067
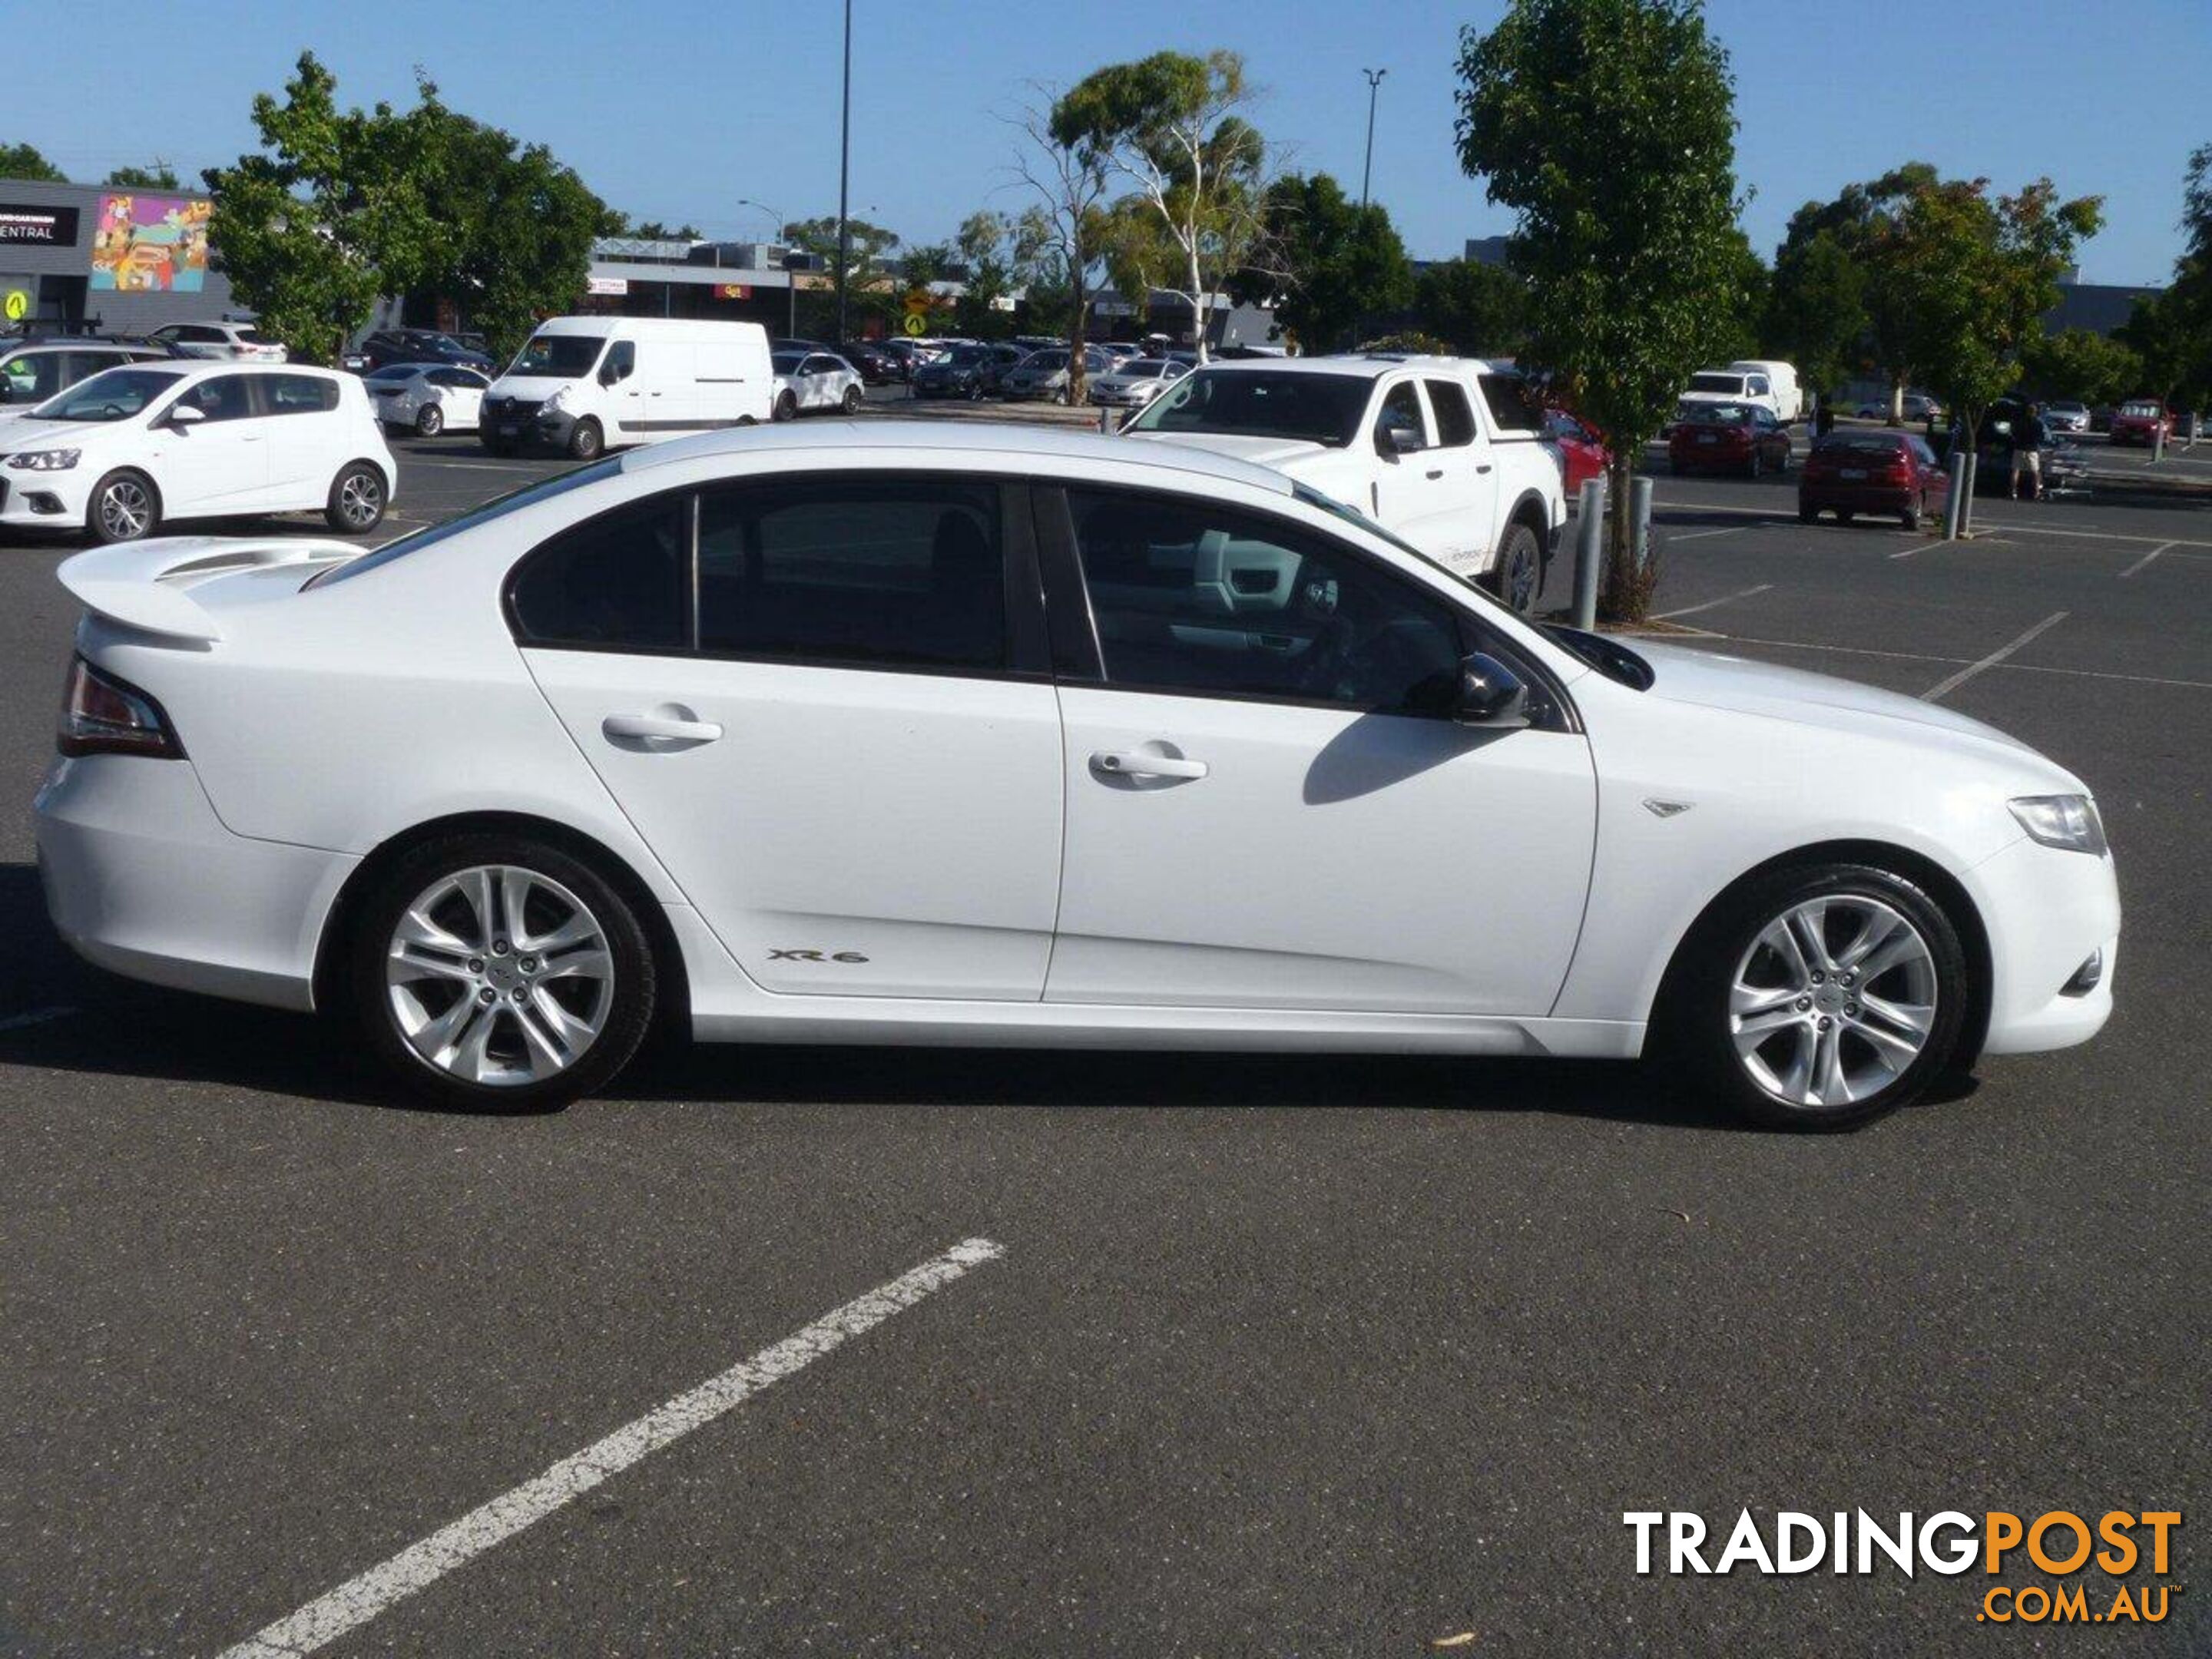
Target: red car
1893	474
1583	454
1727	437
2139	420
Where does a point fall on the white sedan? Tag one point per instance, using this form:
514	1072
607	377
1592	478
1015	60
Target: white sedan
1016	737
811	381
427	398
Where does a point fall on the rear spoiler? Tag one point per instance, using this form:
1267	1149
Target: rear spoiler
147	585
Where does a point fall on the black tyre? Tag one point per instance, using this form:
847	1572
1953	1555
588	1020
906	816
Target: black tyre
1844	515
1758	464
1817	997
124	507
492	973
494	446
787	407
586	440
1519	575
429	420
1807	513
356	501
1910	518
851	400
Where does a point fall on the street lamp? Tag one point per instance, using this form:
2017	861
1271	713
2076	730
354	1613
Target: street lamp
844	176
790	280
1374	80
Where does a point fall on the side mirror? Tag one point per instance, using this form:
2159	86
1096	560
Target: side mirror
185	416
1400	440
1490	694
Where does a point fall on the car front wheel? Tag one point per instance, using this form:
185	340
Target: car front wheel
495	973
124	507
1818	997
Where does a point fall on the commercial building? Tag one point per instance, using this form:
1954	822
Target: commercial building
100	257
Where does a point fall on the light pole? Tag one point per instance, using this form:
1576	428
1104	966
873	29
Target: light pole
1367	169
844	178
790	278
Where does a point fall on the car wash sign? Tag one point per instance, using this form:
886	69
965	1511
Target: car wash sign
47	226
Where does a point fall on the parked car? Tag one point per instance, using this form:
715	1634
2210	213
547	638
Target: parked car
1917	406
427	398
966	371
416	345
1043	374
1582	450
1728	438
861	790
813	381
226	342
872	361
1136	382
2066	414
34	371
1448	452
1743	386
2140	420
133	448
585	384
1892	474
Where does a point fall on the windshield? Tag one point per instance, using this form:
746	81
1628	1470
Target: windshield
1046	360
115	395
2139	408
393	372
1318	408
540	489
787	362
558	356
970	356
1729	385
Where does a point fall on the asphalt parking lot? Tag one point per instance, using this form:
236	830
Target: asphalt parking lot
1276	1355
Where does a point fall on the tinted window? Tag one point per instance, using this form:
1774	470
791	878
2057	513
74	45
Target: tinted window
225	398
1192	597
622	359
1455	415
618	581
885	571
298	394
33	377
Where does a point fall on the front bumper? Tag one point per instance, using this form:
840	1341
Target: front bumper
2045	911
141	878
47	501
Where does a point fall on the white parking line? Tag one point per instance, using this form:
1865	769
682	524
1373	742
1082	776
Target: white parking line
2086	535
1699	535
36	1017
1726	598
2145	560
1943	688
1921	656
422	1564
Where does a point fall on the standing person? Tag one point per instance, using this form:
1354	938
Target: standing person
2029	435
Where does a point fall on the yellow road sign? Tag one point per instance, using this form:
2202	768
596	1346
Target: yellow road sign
916	321
19	305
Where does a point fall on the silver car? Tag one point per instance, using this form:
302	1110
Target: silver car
2066	416
1044	374
811	381
240	341
427	398
1134	383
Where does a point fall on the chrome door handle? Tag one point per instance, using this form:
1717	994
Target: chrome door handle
1116	765
666	728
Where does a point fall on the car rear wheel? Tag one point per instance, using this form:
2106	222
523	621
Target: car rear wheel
852	400
1519	576
1913	513
355	506
493	972
430	421
787	407
1807	513
1818	997
124	507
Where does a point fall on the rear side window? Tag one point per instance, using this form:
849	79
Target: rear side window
1455	415
902	573
615	582
300	394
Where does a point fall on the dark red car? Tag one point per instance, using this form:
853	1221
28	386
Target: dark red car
1892	474
1583	454
1727	437
2138	420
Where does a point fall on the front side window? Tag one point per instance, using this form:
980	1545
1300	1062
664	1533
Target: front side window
223	398
1194	598
888	572
1401	412
615	582
1455	415
622	359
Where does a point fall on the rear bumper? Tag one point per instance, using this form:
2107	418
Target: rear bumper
1857	498
2046	912
142	878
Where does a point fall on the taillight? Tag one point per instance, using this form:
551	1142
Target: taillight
103	715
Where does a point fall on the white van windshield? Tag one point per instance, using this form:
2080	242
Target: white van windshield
1729	385
558	356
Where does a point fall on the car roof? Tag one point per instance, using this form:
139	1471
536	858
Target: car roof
1369	365
201	368
991	446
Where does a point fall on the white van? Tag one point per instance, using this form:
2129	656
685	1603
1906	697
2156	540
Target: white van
585	384
1763	384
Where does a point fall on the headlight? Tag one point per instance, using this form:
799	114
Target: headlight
2070	822
44	461
559	400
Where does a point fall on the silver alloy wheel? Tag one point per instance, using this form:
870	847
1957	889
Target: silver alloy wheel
361	499
1834	1001
499	975
126	509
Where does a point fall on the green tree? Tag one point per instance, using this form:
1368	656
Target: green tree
160	176
1330	263
1481	310
23	161
1856	227
989	245
2172	331
329	218
1172	125
869	285
2077	362
1608	127
1743	333
1816	311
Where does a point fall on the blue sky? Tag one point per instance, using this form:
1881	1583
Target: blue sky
674	109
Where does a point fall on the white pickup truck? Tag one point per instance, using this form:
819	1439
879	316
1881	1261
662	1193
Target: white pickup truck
1443	452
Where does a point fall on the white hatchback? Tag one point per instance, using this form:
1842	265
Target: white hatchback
935	735
130	449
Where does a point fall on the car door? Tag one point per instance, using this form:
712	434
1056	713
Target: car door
220	463
817	382
846	749
306	439
1461	473
461	396
1268	805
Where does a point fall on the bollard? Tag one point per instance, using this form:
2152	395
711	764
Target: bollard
2158	440
1954	503
1590	524
1640	515
1105	421
1966	497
